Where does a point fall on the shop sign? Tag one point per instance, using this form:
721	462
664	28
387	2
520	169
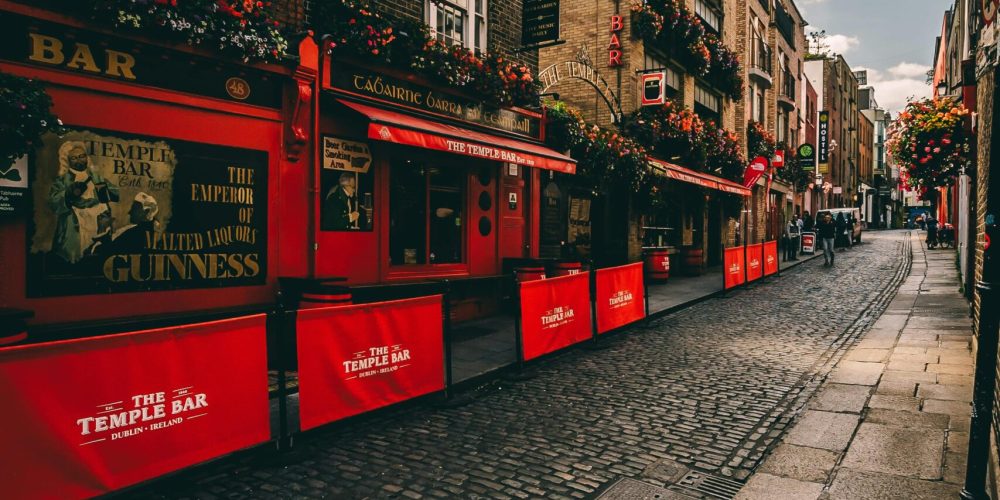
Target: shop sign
988	10
540	22
619	296
778	160
14	187
824	141
115	212
838	190
807	155
581	70
754	171
359	81
615	45
85	417
342	154
354	359
653	88
32	41
347	202
555	313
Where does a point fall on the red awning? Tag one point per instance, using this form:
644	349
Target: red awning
699	178
400	128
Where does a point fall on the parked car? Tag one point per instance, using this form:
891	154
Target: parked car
851	212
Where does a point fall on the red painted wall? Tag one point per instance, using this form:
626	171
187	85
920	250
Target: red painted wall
86	101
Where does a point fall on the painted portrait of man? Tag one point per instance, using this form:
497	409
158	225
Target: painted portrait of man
81	200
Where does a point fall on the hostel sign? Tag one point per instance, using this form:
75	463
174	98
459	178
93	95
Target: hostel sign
824	142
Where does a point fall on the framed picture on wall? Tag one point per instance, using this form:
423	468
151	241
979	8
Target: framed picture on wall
346	186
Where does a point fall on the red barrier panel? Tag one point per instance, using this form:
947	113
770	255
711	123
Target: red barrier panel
354	359
770	258
555	313
755	262
619	296
86	417
733	267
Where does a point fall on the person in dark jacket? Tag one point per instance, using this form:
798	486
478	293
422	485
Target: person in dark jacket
807	222
827	230
840	239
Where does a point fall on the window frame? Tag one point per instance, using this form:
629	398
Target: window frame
474	22
703	7
400	269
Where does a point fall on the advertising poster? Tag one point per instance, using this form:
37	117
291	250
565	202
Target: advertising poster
733	267
808	242
86	417
354	359
755	262
13	187
771	258
117	213
555	313
347	202
619	296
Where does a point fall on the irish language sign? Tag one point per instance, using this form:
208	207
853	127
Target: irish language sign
86	417
116	213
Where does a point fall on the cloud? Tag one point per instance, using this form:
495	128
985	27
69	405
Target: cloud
909	70
835	43
897	85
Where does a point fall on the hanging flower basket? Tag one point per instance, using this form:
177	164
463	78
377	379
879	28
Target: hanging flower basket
25	115
357	29
930	143
245	29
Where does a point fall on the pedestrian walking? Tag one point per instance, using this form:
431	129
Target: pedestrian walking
807	222
827	230
851	221
840	238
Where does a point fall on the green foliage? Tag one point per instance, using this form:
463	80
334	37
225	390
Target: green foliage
358	30
24	117
244	29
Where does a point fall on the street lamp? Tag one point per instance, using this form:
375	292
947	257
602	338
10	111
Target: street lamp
941	89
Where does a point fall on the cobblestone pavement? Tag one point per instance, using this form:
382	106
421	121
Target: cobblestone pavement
708	389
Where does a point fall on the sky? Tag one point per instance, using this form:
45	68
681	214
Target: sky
892	39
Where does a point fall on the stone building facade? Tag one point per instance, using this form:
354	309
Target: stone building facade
837	92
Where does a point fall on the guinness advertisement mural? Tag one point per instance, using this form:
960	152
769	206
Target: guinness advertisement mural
114	212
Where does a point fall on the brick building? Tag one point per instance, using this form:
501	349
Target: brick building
837	92
601	92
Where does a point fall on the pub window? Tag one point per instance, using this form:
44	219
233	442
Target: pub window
426	205
708	104
653	63
708	15
459	22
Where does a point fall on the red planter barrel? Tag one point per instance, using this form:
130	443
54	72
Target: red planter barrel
529	273
694	260
658	265
565	269
13	338
330	296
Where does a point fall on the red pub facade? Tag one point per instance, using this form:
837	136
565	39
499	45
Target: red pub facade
244	173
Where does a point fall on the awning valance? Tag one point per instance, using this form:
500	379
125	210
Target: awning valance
401	128
682	174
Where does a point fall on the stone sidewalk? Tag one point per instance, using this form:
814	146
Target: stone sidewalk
892	419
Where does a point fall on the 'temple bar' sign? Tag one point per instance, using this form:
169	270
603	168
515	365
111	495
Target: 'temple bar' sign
540	23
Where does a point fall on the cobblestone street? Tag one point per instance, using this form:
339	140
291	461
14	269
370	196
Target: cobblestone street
710	388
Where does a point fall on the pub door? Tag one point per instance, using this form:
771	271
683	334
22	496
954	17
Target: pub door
513	207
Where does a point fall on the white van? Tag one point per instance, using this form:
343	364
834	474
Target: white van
852	212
